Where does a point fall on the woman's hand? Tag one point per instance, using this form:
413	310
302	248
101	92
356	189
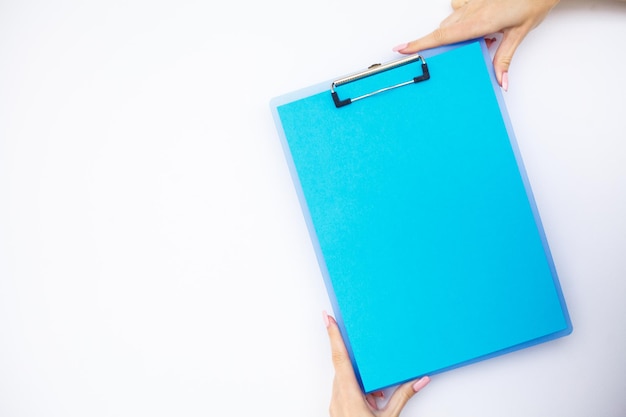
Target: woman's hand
347	398
480	18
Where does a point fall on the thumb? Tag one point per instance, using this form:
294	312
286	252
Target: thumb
402	395
340	357
504	55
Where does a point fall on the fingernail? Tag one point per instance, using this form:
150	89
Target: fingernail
325	317
421	383
400	47
505	81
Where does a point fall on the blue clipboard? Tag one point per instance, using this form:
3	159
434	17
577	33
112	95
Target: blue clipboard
421	214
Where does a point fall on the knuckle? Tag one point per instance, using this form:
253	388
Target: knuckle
406	395
339	359
403	396
505	61
439	35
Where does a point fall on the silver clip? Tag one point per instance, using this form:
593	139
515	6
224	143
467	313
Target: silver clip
377	69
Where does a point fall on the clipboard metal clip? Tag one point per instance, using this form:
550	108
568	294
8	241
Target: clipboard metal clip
377	69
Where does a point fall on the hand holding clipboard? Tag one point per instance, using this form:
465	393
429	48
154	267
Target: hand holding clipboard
481	18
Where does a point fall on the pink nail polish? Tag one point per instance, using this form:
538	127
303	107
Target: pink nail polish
421	383
400	47
505	81
325	317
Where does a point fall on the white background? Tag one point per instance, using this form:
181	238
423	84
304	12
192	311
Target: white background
153	256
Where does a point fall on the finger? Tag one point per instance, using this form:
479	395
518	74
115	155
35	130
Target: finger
340	357
504	54
420	383
457	32
402	395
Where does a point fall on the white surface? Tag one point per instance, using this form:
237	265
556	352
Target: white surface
153	258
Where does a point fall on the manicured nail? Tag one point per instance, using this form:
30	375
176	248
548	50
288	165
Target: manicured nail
505	81
325	317
400	47
421	383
